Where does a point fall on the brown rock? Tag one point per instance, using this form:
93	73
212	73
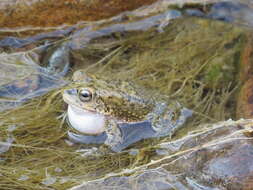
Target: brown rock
54	13
245	100
245	97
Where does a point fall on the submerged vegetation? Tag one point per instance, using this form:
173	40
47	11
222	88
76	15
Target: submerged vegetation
40	157
194	61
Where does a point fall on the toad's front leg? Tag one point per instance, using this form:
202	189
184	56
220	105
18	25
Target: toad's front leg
122	135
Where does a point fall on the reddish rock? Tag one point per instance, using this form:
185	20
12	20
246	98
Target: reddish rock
53	13
245	100
245	97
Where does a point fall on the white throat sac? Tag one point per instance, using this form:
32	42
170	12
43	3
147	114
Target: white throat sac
85	121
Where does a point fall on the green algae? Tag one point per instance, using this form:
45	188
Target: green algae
194	61
40	148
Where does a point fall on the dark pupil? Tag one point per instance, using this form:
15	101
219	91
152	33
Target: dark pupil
85	94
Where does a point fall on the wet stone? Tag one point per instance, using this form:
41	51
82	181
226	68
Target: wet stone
13	42
158	179
194	12
20	87
162	185
221	159
233	167
228	11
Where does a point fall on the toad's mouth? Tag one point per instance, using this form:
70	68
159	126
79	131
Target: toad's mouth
86	122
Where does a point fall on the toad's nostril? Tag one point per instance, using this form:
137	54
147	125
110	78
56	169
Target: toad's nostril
71	91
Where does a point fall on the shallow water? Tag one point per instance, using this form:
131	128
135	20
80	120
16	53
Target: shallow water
192	60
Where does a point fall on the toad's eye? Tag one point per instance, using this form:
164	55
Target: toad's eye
85	95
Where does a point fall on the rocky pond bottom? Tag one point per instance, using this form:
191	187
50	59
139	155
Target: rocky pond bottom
218	156
201	63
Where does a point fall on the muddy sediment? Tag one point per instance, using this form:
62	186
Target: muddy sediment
54	13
